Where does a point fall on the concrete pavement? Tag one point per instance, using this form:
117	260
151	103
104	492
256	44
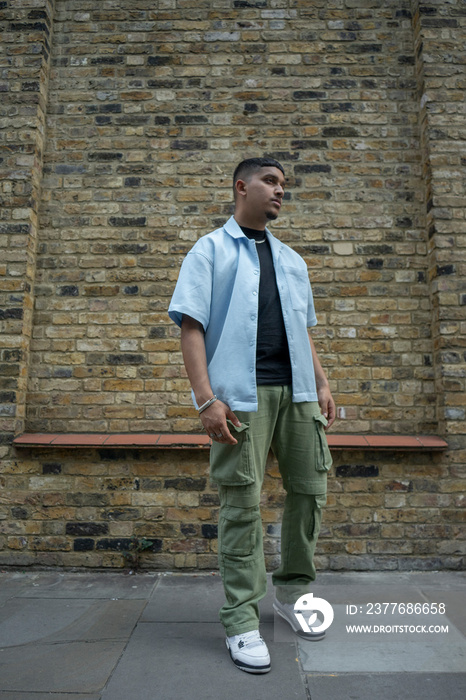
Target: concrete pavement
115	636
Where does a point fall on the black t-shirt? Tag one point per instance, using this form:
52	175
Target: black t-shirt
273	366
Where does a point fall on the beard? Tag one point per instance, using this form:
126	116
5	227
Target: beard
271	215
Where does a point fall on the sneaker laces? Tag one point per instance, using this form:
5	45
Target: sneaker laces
250	639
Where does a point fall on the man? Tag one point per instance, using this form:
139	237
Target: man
244	304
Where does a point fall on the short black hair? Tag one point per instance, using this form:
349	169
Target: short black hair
251	165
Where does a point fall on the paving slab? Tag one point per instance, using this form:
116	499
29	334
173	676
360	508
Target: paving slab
45	584
9	695
75	667
409	641
388	686
109	636
177	660
186	599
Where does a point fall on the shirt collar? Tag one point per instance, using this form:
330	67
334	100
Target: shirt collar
234	230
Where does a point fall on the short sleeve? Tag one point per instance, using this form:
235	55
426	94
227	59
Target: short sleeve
311	314
193	291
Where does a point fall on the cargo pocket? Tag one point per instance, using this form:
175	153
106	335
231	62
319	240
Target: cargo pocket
237	531
323	458
231	465
316	520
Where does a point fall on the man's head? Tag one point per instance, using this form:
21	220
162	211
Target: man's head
258	185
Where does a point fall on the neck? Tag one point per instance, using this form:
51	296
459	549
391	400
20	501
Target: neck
257	223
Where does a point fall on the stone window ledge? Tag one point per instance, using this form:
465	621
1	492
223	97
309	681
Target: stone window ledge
414	443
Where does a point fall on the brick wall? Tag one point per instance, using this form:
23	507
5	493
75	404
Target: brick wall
126	124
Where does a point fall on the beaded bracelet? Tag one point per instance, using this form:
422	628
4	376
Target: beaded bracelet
207	404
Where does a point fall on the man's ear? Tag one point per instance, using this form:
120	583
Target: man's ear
240	187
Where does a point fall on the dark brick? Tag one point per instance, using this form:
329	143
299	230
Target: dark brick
34	14
375	263
340	83
302	169
357	530
28	27
165	83
113	108
14	228
70	290
133	120
351	470
33	86
439	23
185	484
129	359
158	332
101	120
11	313
83	545
104	156
132	290
209	499
107	60
368	84
7	397
338	131
189	530
19	513
132	181
91	529
373	249
129	249
330	107
364	48
250	108
189	145
309	95
86	499
191	119
404	222
128	221
445	270
406	60
51	468
240	4
304	144
210	532
159	60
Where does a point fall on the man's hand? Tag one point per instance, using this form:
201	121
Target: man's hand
214	420
327	404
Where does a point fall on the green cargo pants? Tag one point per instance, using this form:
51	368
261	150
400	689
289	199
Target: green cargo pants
295	432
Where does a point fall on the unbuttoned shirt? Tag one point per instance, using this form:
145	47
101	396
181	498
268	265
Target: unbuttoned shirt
218	286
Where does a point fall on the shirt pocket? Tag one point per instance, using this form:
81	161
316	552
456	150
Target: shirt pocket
232	465
297	281
322	456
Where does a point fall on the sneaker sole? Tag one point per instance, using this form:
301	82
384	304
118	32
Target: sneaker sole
313	637
246	667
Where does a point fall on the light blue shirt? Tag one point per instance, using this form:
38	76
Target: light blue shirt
218	286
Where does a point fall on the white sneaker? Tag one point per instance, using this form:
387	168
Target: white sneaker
249	652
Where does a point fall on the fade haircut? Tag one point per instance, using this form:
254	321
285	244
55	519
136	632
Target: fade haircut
251	165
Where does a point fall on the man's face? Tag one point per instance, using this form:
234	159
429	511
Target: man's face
264	192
